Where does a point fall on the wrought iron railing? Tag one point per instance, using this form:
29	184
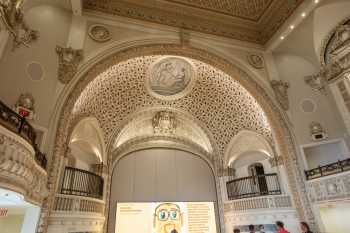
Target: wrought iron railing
329	169
82	183
253	186
19	125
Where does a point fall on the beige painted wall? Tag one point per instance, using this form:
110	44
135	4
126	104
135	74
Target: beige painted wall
53	25
11	223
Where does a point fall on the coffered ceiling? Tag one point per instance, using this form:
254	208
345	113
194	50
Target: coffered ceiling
247	20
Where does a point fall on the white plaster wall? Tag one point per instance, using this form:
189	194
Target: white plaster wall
293	69
335	217
11	223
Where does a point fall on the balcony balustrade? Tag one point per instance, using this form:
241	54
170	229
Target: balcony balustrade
329	169
82	183
253	186
20	126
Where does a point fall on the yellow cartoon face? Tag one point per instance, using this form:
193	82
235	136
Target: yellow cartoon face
167	218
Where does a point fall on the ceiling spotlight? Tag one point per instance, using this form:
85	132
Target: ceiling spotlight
303	14
316	1
292	27
282	37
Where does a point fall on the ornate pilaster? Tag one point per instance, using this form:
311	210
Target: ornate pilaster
281	91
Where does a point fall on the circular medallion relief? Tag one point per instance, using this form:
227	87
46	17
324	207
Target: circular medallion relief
170	78
99	33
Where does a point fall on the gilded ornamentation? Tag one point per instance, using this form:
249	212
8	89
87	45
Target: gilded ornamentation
12	17
217	17
281	91
170	78
164	123
99	33
256	61
68	62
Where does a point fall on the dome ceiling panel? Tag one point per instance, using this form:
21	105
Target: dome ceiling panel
216	100
252	21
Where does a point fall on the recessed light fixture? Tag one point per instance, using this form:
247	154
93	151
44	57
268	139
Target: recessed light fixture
291	27
303	14
316	1
282	37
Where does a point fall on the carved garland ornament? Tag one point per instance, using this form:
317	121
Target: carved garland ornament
284	141
68	62
12	18
281	91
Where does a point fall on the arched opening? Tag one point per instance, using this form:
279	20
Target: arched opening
161	175
211	110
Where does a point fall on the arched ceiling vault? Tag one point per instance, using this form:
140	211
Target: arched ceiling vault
217	100
283	140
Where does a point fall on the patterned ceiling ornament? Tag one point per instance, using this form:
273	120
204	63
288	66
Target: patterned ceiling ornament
164	123
316	82
170	78
256	61
68	62
12	18
99	33
281	91
25	106
276	161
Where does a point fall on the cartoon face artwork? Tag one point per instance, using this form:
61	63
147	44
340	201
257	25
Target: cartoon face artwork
167	218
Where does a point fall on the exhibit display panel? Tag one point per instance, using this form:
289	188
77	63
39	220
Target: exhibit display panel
165	217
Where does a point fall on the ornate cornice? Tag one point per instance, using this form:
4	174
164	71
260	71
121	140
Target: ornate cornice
261	18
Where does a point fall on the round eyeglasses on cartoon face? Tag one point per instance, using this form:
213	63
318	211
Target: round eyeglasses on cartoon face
164	215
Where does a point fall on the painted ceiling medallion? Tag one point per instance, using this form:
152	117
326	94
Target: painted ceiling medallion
170	78
99	33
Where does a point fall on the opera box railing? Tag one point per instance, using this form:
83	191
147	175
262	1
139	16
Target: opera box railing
22	166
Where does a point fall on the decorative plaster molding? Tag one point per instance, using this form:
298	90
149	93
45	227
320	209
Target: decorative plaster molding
255	203
329	188
68	62
170	78
99	33
256	61
276	161
283	139
164	123
12	18
317	83
18	169
281	91
261	18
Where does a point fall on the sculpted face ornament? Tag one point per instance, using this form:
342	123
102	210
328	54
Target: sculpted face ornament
167	218
170	78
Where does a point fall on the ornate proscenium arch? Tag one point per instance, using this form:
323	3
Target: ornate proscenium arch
276	120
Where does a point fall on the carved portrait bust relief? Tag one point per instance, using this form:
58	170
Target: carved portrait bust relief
170	78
